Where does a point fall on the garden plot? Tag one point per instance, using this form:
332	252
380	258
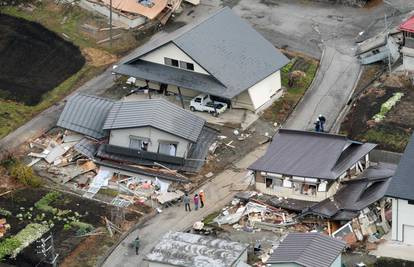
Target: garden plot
73	221
383	114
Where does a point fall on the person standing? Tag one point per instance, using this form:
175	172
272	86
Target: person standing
136	245
202	198
196	200
317	126
322	121
186	201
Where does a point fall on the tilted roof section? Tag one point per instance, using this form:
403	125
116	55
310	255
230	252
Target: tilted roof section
85	114
190	250
158	113
308	250
408	25
356	194
311	154
227	47
402	183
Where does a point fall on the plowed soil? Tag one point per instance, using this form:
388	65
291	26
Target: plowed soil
33	60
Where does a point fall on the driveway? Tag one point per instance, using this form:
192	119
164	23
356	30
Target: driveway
218	194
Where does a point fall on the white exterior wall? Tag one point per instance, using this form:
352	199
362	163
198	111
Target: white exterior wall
262	92
118	18
170	50
337	262
243	101
402	214
120	137
408	62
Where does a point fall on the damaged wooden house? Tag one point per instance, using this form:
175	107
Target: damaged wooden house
309	166
134	136
220	56
133	13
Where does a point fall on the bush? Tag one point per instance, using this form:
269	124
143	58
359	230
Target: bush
44	203
23	173
4	212
83	228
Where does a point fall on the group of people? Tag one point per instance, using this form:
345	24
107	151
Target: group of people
198	199
320	124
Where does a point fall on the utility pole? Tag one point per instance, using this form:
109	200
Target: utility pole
388	45
110	23
47	249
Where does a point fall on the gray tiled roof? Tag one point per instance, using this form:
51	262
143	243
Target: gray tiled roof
85	114
158	113
163	74
308	250
311	154
226	47
402	184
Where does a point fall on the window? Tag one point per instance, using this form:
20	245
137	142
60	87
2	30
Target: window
186	65
167	148
411	202
138	143
171	62
198	100
269	182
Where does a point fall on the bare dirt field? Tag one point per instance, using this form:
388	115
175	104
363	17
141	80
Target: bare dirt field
34	59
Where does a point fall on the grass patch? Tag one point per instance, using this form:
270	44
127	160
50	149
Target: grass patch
388	138
209	219
280	109
44	203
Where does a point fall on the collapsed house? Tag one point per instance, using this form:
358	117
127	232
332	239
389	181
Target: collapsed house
307	250
381	47
309	166
191	250
130	13
131	135
408	46
402	195
221	56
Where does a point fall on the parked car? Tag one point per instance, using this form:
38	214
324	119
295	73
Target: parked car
204	103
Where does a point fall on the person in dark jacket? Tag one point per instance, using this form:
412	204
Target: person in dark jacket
322	121
186	201
135	243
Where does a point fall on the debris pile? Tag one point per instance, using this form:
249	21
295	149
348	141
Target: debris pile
4	227
59	157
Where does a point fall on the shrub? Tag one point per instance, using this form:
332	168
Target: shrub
44	203
23	174
83	228
5	212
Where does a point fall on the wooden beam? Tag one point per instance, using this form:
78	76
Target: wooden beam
181	97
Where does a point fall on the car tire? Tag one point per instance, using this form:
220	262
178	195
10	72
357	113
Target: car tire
192	108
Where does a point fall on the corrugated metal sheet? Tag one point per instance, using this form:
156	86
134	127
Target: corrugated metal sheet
191	250
157	113
308	250
85	114
310	154
227	47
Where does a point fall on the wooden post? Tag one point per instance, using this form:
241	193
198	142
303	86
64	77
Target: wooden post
181	97
149	91
110	23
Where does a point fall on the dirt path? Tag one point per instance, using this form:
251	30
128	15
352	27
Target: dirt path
177	219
